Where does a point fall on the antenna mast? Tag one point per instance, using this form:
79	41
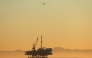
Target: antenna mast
41	41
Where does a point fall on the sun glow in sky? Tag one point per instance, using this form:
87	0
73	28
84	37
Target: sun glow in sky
62	23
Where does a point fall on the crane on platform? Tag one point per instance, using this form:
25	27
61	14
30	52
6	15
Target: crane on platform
34	45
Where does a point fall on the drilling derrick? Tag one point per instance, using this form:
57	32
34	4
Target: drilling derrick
44	52
40	52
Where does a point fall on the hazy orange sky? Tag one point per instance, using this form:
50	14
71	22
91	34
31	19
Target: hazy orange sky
62	23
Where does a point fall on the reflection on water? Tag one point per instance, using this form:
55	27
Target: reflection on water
61	55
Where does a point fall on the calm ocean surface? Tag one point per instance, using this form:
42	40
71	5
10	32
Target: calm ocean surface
65	55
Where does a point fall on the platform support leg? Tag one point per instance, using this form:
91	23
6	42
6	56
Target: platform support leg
28	56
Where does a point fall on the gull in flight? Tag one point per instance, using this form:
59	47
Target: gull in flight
44	3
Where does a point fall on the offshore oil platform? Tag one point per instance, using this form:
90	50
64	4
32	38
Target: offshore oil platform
40	52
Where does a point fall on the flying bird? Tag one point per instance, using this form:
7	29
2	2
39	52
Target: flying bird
44	3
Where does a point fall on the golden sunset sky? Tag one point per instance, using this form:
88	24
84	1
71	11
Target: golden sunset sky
62	23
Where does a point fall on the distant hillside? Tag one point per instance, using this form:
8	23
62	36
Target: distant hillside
60	49
13	51
19	50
